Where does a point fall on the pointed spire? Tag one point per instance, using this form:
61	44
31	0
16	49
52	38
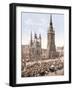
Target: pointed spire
51	24
51	19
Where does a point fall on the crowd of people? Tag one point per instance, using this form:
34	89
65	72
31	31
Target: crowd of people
43	69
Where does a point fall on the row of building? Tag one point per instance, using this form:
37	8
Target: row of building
26	53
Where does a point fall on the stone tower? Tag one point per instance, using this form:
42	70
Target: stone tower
35	46
51	41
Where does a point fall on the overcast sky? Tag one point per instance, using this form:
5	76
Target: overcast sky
39	23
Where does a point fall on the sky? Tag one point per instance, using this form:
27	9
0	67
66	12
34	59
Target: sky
39	23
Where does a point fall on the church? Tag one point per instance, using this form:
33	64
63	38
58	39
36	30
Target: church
35	47
36	52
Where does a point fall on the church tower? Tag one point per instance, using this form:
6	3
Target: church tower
51	41
35	47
